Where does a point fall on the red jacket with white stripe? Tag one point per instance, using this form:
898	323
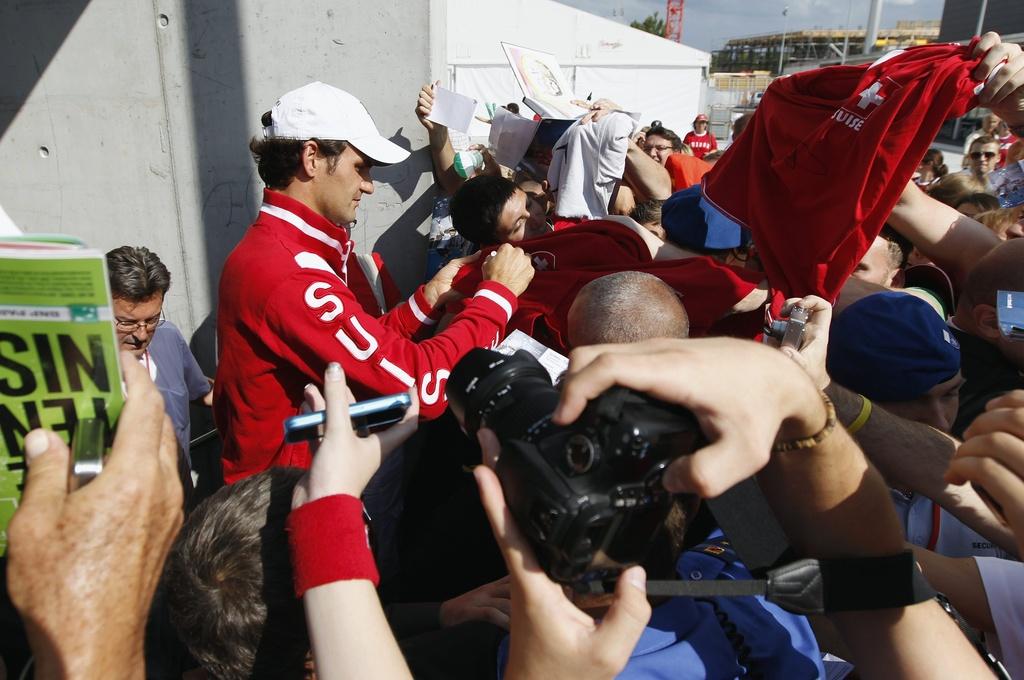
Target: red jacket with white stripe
285	311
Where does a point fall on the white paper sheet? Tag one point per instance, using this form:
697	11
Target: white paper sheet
510	137
555	363
451	109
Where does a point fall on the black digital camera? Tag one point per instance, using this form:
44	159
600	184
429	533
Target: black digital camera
589	495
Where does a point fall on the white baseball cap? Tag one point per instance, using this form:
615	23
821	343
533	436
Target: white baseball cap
323	111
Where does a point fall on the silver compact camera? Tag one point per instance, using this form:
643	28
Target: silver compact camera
789	332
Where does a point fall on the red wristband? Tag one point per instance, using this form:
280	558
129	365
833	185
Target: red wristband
329	543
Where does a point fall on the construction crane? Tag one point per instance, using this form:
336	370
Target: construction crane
674	20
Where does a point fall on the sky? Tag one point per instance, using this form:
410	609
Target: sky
707	24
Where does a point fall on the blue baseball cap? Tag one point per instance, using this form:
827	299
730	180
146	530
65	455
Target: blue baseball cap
891	347
692	222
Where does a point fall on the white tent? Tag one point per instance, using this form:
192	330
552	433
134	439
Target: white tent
655	77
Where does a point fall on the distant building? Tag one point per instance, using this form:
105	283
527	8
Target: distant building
808	48
960	18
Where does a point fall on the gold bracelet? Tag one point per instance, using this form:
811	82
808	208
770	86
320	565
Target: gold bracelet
862	417
816	438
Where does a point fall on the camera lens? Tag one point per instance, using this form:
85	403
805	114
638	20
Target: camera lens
509	394
580	454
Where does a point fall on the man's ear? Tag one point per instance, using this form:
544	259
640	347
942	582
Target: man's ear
898	279
308	158
986	322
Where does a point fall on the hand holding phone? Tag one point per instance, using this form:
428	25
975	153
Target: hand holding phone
366	416
344	462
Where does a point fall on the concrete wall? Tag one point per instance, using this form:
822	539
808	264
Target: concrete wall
128	122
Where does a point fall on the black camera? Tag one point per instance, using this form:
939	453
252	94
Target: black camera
589	495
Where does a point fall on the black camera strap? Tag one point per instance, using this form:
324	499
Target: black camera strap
744	516
811	586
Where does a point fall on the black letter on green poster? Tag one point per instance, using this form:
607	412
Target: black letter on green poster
28	379
75	361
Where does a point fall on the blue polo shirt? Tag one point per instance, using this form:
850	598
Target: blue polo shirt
684	639
178	377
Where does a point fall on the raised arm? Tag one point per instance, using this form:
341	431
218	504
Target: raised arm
954	241
441	151
332	562
647	177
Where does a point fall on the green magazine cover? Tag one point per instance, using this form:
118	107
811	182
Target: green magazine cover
58	350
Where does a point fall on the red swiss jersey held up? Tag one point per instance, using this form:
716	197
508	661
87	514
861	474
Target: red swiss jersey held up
817	171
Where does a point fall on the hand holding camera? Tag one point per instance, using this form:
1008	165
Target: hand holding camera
803	336
588	473
743	395
103	544
551	638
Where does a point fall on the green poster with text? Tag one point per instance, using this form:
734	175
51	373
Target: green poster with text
58	352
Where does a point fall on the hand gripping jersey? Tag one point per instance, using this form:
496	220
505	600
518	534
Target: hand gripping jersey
567	260
825	158
285	311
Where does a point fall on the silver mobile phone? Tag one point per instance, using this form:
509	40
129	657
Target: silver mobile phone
369	415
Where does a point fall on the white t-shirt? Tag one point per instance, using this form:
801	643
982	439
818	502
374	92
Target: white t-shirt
587	162
1004	588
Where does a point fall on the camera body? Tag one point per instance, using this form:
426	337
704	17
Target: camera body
789	332
588	495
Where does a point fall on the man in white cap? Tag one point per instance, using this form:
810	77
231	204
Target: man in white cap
287	307
700	140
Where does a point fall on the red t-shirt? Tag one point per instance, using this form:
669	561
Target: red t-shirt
827	154
701	145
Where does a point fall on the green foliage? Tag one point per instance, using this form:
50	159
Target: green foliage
652	24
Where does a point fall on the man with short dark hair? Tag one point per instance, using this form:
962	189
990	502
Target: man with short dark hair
138	283
287	304
660	143
488	209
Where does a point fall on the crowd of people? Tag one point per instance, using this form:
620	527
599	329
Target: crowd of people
891	432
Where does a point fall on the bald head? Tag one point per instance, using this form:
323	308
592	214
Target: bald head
626	307
1001	269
